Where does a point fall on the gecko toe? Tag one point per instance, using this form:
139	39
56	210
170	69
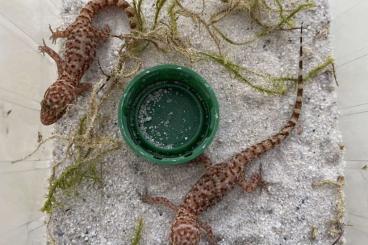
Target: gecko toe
42	49
52	37
51	30
143	195
107	29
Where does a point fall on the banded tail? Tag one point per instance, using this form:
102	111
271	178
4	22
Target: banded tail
94	6
258	149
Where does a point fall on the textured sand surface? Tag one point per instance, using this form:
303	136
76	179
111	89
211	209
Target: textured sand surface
284	214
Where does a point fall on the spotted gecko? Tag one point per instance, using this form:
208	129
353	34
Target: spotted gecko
80	50
221	178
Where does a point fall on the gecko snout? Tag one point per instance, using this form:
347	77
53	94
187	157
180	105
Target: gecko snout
55	102
49	114
185	234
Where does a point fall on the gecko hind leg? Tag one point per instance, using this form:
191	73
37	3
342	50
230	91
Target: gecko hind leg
206	229
55	56
83	87
251	184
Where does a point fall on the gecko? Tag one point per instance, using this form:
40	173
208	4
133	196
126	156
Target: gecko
80	49
219	179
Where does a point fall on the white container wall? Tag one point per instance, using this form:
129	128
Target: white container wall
25	74
350	43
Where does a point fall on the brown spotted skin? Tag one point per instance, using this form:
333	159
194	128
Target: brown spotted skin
219	179
80	49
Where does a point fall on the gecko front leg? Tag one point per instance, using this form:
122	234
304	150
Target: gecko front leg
60	33
55	56
159	201
203	159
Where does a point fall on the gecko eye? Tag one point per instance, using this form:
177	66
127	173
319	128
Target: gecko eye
45	105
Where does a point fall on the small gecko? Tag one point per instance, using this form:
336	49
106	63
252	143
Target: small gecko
223	177
80	50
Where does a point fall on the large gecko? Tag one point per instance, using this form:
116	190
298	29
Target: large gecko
80	49
219	179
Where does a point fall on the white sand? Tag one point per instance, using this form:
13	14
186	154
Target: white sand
286	213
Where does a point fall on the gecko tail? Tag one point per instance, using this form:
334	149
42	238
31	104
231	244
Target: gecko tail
94	6
265	145
299	95
290	125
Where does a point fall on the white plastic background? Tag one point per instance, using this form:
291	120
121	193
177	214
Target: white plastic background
25	74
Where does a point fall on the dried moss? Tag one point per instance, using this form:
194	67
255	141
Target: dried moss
337	223
259	11
159	5
137	4
138	232
275	88
70	177
312	73
313	233
198	19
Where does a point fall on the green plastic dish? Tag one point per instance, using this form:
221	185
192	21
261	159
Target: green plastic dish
168	114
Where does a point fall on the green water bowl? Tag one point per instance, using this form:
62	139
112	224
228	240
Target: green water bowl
168	114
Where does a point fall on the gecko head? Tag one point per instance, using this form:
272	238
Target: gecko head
185	230
55	101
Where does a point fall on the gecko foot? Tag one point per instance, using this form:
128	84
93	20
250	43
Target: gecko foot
83	87
43	49
107	29
258	181
59	33
142	193
254	181
53	36
264	185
